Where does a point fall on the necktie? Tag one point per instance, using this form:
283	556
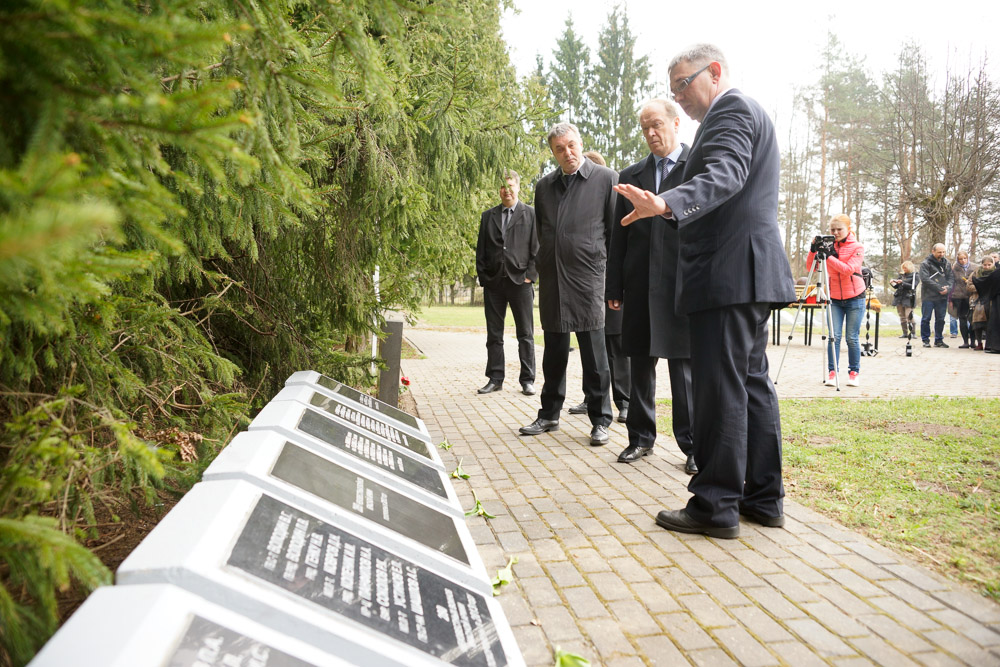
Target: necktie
567	178
665	166
504	222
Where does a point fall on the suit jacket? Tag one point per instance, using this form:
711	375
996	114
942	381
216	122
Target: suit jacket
516	255
574	231
642	271
726	212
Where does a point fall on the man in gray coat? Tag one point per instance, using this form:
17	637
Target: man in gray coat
574	211
642	278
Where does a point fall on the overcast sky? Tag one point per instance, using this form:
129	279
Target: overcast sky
772	47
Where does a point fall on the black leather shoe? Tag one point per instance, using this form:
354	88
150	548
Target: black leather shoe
490	387
940	343
599	435
763	519
540	426
633	453
689	466
623	415
528	389
680	521
579	409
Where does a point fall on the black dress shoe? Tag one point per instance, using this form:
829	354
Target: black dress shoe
579	409
623	415
680	521
763	519
527	388
599	435
689	466
540	426
633	453
490	387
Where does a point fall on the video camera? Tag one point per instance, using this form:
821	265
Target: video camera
822	246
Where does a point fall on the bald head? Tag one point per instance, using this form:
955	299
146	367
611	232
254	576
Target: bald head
938	250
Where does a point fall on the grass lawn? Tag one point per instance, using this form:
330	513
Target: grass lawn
919	475
468	317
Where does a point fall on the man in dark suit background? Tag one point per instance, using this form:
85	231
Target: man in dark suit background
505	264
575	207
642	279
732	268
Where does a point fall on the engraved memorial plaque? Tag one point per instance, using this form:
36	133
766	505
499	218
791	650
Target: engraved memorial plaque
385	458
351	577
364	497
367	401
370	424
208	644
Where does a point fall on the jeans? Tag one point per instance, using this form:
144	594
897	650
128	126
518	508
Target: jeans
937	307
852	310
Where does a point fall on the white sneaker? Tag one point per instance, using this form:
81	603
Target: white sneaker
853	380
831	380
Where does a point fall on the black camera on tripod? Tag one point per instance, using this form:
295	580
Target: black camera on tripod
822	246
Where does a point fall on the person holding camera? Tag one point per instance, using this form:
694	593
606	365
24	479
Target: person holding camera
905	296
847	297
936	279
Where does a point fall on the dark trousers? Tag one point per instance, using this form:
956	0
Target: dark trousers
938	307
642	409
618	364
520	299
964	317
737	428
596	375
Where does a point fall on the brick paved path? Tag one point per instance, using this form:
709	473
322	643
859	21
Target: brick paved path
597	577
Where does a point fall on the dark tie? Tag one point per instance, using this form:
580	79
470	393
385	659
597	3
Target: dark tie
567	179
665	166
504	222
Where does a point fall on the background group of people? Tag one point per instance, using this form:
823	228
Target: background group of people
969	292
685	245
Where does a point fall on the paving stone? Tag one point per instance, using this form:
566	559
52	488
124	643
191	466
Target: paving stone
864	567
608	638
760	624
705	611
845	600
676	581
802	571
609	546
747	650
798	654
835	620
936	660
634	618
534	646
685	632
790	588
913	595
609	586
775	603
564	574
919	578
654	597
970	604
905	614
819	638
630	570
548	550
631	661
584	603
966	627
540	591
723	592
756	563
894	633
558	624
739	575
962	648
881	652
660	651
712	657
854	583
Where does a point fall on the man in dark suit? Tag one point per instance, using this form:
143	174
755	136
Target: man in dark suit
575	207
642	279
505	264
732	268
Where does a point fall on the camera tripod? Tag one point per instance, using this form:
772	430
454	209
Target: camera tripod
822	291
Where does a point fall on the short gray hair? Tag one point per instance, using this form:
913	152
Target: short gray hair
669	108
700	55
512	175
561	130
936	246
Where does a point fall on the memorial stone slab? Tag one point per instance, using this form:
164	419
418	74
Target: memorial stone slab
319	582
408	474
279	415
157	625
365	403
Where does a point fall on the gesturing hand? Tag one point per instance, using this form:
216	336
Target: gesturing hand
645	203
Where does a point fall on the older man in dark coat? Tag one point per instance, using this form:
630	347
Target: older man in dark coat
574	211
732	269
642	278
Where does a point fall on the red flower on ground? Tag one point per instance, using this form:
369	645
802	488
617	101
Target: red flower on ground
405	380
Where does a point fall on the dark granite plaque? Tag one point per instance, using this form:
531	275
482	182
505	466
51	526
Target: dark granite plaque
387	459
365	422
368	401
362	496
208	644
347	575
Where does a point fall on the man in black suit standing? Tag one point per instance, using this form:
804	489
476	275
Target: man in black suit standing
505	264
575	207
732	268
642	279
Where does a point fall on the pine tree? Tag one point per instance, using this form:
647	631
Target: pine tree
570	77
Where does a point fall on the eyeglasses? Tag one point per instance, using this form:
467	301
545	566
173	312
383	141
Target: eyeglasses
682	86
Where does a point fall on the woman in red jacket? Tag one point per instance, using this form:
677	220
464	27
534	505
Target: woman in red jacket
847	298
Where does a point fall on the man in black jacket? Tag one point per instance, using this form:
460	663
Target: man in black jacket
505	264
935	282
642	279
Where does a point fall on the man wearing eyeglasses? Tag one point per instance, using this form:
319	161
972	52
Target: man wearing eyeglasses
731	268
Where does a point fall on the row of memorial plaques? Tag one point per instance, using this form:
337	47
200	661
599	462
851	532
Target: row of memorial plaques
332	522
